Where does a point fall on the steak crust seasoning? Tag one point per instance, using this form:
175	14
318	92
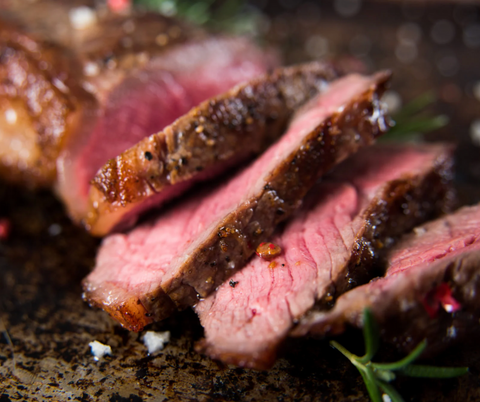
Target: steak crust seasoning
172	262
213	136
328	246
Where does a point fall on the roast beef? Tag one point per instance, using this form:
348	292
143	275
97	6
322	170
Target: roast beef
327	247
48	69
195	246
218	133
41	104
430	289
139	73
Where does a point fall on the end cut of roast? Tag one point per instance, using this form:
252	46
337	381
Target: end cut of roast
56	81
218	133
430	289
192	248
42	103
329	246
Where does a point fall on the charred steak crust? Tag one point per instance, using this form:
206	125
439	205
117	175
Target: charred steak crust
228	127
145	99
40	90
132	313
253	222
403	204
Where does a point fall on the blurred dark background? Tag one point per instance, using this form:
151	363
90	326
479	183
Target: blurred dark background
430	46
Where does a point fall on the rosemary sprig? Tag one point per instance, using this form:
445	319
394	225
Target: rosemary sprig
378	376
413	120
233	16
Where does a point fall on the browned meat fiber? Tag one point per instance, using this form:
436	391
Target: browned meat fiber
191	249
218	133
329	245
41	104
430	289
123	78
146	99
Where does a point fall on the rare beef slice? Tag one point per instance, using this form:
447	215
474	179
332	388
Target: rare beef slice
213	136
429	291
327	247
191	249
141	99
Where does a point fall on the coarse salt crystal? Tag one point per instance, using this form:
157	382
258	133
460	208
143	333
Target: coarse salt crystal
155	341
99	350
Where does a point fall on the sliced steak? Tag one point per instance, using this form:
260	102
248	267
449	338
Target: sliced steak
327	247
430	289
142	71
220	132
194	247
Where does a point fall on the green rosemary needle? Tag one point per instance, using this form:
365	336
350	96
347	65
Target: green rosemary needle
378	376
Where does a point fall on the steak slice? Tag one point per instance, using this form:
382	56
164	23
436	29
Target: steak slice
142	100
194	247
220	132
327	247
413	300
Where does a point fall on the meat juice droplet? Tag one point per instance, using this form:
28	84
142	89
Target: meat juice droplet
268	251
